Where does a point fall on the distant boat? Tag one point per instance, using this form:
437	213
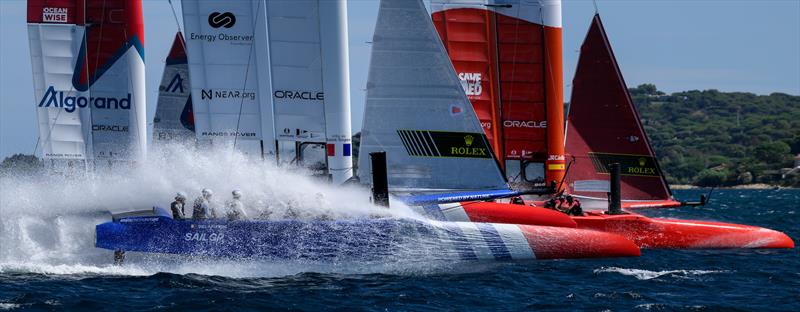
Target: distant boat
174	118
88	72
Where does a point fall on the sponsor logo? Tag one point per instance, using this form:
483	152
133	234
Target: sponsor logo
555	157
228	134
210	94
525	124
217	19
486	125
444	144
54	15
220	37
632	165
299	95
471	83
175	85
110	128
53	98
299	133
204	237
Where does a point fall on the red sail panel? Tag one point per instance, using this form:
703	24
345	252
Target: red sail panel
468	35
522	85
604	127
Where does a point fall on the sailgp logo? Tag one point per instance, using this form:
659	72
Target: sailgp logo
175	85
53	98
217	19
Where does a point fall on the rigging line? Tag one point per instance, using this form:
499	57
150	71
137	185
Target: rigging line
178	25
246	76
596	11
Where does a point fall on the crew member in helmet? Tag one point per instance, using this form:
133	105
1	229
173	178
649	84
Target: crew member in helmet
235	207
177	207
202	206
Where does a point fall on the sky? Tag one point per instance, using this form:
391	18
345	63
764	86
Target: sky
748	46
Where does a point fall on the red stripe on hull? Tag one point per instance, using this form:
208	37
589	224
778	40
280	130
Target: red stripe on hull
563	243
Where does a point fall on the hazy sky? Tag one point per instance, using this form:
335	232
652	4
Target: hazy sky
751	46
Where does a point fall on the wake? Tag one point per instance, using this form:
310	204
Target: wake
47	221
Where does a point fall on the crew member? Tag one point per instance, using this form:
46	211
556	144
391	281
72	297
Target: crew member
517	200
574	206
202	206
235	207
177	207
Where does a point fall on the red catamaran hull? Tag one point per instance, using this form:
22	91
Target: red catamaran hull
656	233
645	232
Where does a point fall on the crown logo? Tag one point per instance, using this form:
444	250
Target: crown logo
642	161
468	139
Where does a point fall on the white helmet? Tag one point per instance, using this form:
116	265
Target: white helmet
207	192
237	194
180	195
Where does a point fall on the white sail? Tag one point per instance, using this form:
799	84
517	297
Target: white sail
89	80
64	132
174	119
310	77
228	73
417	111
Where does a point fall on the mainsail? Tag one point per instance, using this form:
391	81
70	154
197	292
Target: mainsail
88	73
174	119
507	54
416	110
603	127
227	74
270	72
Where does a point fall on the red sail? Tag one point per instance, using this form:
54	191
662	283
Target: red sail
603	127
508	57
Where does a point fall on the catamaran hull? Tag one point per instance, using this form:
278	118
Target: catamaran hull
654	233
358	240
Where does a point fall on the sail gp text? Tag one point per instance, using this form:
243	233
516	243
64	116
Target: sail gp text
204	237
53	98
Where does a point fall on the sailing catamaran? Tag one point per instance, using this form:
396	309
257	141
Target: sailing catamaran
412	51
174	119
603	128
88	73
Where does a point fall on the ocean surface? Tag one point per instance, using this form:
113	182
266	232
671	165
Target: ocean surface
660	280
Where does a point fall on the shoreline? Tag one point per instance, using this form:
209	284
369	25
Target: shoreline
754	186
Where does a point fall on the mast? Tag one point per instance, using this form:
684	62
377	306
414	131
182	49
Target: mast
554	94
336	86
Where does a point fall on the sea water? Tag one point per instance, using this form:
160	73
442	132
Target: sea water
47	258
